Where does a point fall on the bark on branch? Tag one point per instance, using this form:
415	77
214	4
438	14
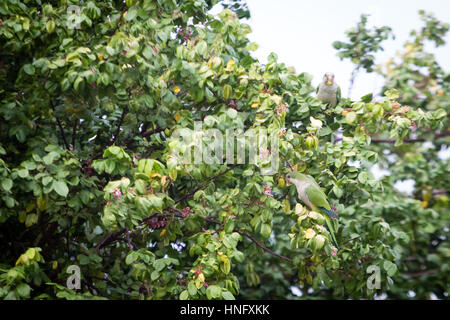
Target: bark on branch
406	140
61	129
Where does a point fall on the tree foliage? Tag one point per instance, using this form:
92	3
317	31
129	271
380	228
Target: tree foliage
90	101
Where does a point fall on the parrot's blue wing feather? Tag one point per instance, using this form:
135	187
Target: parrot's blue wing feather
329	212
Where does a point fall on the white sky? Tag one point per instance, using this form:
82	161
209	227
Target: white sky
301	33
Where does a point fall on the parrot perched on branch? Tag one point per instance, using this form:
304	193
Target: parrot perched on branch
328	91
310	193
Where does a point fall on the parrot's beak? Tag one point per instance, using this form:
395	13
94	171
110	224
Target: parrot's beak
288	182
329	81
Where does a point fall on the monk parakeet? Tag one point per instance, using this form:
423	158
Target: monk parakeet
310	193
328	91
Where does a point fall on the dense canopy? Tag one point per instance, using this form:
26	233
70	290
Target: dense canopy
91	94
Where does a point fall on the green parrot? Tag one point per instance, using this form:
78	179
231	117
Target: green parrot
310	193
328	91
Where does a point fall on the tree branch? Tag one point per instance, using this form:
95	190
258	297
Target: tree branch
122	117
406	140
74	133
204	186
259	244
128	239
423	273
253	239
60	126
110	237
151	132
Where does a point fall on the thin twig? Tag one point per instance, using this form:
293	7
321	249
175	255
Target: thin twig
423	273
128	239
60	126
151	132
259	244
253	239
122	117
74	134
205	185
290	165
406	140
110	237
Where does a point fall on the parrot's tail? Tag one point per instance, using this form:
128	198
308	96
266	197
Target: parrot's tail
330	213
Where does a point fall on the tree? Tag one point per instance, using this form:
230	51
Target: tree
364	43
93	94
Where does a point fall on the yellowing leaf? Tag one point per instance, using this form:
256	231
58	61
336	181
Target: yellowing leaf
286	206
309	233
22	216
31	219
227	91
299	210
177	117
350	117
408	48
315	123
230	64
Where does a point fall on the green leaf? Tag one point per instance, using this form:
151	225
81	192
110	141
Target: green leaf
392	94
131	14
77	82
184	295
192	289
213	292
227	91
61	188
232	113
201	48
7	184
391	268
23	290
367	98
159	265
110	165
23	173
9	201
227	295
84	260
29	69
338	191
266	230
50	26
155	275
